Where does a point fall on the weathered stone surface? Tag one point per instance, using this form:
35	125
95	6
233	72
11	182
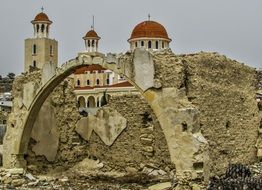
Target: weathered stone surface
88	164
84	126
48	71
161	186
143	69
107	124
29	92
45	132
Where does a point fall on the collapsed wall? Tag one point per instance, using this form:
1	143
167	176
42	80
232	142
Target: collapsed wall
56	145
223	91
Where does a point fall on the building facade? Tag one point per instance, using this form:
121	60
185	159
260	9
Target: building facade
40	49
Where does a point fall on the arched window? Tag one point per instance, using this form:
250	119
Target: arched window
51	50
163	45
88	82
37	28
149	44
93	43
142	43
34	63
107	81
97	81
34	49
42	28
156	44
88	42
78	82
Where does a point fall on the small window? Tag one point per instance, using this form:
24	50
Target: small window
107	81
156	44
34	49
88	82
97	81
142	43
42	28
78	82
51	50
34	63
37	28
149	44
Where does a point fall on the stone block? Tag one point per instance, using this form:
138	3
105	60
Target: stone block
161	186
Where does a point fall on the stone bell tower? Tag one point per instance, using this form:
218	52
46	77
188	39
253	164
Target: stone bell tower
40	49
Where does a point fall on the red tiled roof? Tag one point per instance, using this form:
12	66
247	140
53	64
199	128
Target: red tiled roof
42	17
91	34
149	29
90	68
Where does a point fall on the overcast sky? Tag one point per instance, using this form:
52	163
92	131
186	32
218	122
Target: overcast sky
230	27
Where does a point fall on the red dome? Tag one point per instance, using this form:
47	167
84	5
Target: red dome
149	29
91	34
42	17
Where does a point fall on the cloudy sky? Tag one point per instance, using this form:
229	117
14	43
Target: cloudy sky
230	27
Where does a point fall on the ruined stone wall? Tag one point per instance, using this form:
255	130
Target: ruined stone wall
224	92
141	143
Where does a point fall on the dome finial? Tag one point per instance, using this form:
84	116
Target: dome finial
149	16
93	23
42	8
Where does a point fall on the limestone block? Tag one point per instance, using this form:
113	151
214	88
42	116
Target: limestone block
29	92
84	126
111	58
88	164
110	125
143	69
146	141
160	186
48	71
46	133
259	153
97	60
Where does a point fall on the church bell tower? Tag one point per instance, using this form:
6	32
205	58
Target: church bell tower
40	49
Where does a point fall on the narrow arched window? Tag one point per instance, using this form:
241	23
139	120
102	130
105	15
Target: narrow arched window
149	44
107	81
142	43
156	44
93	43
88	42
34	63
97	81
37	28
42	28
78	82
34	49
51	50
88	82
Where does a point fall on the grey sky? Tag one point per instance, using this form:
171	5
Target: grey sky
230	27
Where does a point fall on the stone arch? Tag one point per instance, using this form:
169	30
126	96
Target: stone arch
81	102
140	73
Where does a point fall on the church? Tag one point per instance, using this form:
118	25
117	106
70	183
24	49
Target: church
91	82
